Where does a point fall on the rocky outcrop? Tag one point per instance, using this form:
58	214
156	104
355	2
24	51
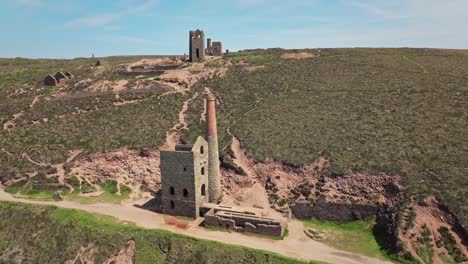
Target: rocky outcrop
125	256
330	211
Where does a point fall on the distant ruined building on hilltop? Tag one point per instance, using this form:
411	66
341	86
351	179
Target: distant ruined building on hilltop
197	46
197	50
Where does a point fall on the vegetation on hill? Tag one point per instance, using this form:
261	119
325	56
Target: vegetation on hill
58	124
398	111
55	235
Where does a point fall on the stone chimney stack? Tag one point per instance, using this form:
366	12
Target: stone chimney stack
208	46
214	175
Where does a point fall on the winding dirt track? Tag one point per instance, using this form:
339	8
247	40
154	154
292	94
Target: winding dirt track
296	245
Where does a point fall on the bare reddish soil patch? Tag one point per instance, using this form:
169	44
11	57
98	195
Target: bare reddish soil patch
132	167
171	220
297	55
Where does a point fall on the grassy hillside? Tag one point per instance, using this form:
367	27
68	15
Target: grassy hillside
55	235
399	111
89	120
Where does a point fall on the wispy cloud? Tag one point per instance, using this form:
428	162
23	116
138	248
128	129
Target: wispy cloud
30	3
96	20
145	6
128	39
379	9
107	19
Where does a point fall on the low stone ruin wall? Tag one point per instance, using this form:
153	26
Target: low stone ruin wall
245	223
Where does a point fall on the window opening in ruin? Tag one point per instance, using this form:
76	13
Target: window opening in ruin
203	171
185	168
185	193
172	205
202	150
198	53
203	190
171	190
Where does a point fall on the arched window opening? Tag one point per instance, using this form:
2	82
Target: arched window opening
203	171
202	150
185	193
203	190
172	205
171	190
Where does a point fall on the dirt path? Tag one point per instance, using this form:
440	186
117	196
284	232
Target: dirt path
61	171
240	159
10	125
34	101
415	63
296	245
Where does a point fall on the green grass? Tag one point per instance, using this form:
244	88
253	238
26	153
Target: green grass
109	196
446	259
222	229
62	232
356	237
15	188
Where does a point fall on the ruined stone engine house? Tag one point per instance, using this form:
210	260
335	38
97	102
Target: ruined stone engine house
184	179
191	185
190	174
197	50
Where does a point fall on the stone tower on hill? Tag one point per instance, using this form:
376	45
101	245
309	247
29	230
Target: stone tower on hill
197	45
184	179
214	175
190	175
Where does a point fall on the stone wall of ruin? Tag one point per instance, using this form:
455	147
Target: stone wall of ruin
329	211
246	224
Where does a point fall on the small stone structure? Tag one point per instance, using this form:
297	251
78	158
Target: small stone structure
69	75
184	179
242	221
214	48
217	49
197	46
50	80
58	79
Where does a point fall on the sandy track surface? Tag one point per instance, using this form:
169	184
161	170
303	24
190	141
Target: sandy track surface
296	245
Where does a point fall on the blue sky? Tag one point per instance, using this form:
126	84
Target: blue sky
66	29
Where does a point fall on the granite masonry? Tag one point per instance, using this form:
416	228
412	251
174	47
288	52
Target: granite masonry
184	179
191	185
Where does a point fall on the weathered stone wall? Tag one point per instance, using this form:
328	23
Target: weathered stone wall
50	80
208	47
217	48
184	172
324	210
244	224
197	45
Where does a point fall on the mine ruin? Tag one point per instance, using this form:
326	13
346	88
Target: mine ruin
191	185
197	50
58	79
